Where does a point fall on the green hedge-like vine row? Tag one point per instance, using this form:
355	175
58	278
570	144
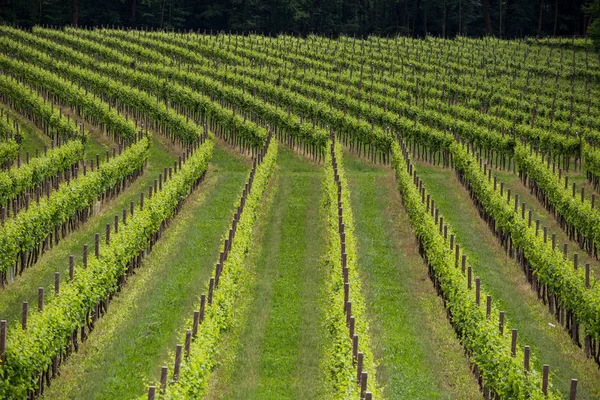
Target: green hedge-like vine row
31	352
24	98
233	282
29	228
136	100
16	181
502	374
247	132
549	266
337	364
90	106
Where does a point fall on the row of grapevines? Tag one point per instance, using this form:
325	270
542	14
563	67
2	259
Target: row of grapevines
549	265
22	97
502	374
234	281
338	362
29	228
18	180
577	214
8	152
250	133
29	353
98	112
140	102
272	114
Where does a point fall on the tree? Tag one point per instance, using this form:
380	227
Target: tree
486	16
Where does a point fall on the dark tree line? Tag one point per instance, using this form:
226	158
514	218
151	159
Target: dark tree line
448	18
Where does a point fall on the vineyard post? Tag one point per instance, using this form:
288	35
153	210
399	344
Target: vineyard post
513	346
40	299
478	291
177	362
488	310
527	350
3	341
163	378
573	393
71	267
24	315
501	323
359	366
188	340
545	375
363	384
56	282
97	245
151	392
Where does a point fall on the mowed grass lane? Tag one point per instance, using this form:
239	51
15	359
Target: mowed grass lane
131	342
276	354
504	280
419	354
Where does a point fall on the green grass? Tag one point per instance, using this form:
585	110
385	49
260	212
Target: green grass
24	287
419	354
505	282
277	354
512	182
135	337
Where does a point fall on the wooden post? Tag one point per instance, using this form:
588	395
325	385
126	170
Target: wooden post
24	315
359	366
164	371
469	275
545	375
587	275
107	234
71	267
40	299
211	285
56	282
488	309
177	362
363	384
464	263
501	323
478	291
188	341
151	392
196	321
526	358
2	341
202	306
97	245
553	241
142	201
513	345
575	261
573	393
354	347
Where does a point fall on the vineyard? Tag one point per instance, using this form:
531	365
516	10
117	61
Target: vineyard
194	215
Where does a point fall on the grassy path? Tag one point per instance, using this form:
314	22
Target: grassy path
513	182
420	357
142	326
277	353
505	282
24	287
